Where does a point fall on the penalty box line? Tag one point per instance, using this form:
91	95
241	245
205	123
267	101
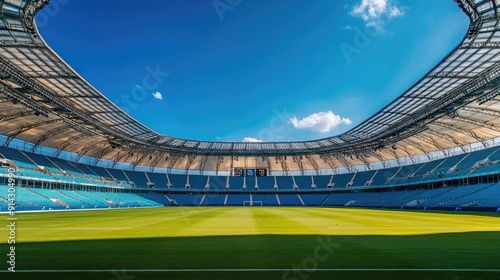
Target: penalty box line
257	270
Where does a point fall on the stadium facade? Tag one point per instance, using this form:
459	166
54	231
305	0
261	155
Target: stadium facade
47	104
441	132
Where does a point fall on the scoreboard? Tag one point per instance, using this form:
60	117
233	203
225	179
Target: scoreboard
261	172
238	171
250	172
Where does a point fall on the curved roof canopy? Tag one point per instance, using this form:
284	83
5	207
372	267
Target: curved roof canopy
45	102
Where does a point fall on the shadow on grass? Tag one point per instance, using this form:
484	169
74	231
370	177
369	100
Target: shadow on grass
476	250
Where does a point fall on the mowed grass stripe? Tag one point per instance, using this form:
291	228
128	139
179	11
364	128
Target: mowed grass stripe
376	221
256	270
254	241
216	221
462	250
220	222
109	224
326	222
278	221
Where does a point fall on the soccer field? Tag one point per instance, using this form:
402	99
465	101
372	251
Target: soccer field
254	243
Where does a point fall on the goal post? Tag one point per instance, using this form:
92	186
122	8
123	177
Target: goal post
252	203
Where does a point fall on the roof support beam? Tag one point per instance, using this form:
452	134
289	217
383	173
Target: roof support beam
218	163
17	96
418	146
55	76
477	122
269	163
299	163
191	158
204	160
102	153
155	161
119	124
119	157
395	155
407	152
485	45
431	141
313	163
346	164
381	159
470	133
89	147
29	14
171	162
485	111
25	128
330	161
33	85
24	45
102	112
449	75
284	166
15	116
468	8
447	137
47	135
139	159
68	143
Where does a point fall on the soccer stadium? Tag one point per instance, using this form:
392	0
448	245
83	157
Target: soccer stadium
87	191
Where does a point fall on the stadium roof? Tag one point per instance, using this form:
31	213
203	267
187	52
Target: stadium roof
45	102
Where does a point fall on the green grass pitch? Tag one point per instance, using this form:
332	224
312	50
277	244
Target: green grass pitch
253	243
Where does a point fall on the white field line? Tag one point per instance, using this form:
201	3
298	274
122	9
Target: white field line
256	270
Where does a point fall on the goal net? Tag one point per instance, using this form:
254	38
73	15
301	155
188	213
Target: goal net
252	203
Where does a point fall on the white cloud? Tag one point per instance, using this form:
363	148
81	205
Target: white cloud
373	12
251	139
396	12
158	95
320	122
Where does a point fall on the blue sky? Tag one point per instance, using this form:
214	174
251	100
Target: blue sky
252	70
